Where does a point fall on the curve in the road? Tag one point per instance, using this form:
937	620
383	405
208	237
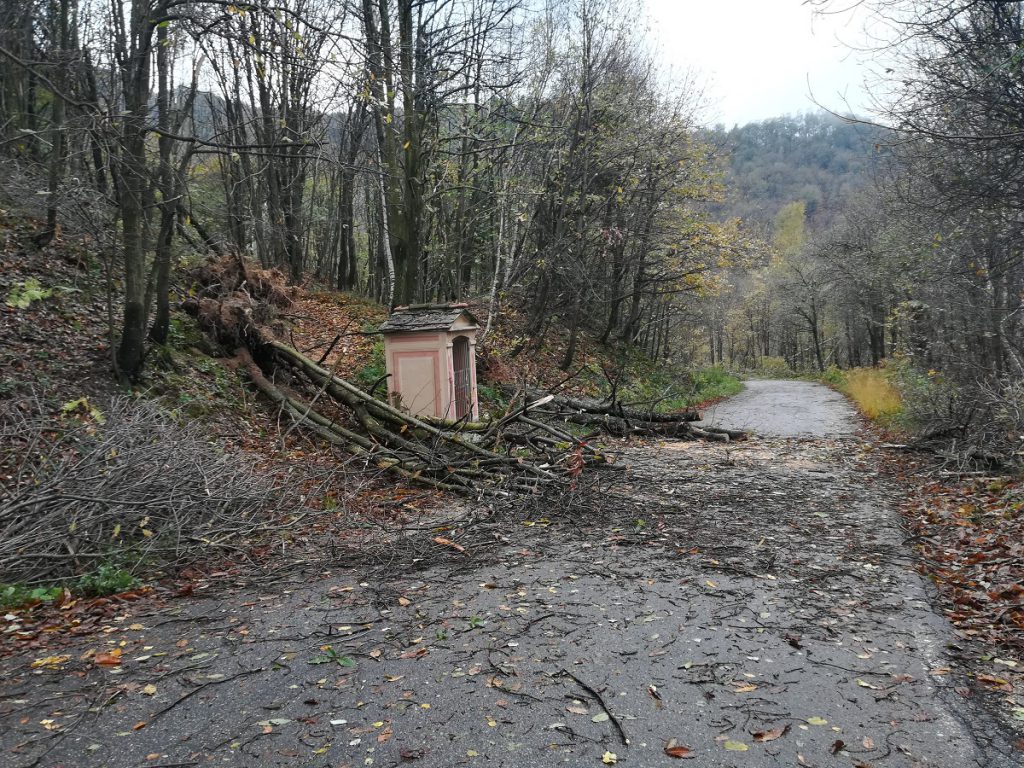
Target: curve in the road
783	408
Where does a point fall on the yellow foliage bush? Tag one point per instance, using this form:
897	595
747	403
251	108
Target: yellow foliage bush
873	393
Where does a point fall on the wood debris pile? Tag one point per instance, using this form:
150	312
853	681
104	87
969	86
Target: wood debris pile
536	443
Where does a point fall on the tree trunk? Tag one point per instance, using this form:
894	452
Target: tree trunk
132	183
168	206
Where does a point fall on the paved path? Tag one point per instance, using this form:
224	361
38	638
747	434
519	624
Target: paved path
785	409
748	605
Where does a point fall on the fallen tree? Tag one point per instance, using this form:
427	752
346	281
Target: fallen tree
533	445
623	421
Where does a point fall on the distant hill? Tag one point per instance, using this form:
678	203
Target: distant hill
816	157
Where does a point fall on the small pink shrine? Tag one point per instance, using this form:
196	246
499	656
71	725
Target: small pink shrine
430	353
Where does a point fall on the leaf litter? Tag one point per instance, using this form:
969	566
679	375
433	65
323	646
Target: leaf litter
536	621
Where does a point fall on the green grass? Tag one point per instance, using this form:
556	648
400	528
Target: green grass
670	389
713	384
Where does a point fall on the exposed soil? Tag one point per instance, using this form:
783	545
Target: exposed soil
748	605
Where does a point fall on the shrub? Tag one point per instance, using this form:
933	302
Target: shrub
105	580
873	392
22	295
372	372
491	396
17	595
775	366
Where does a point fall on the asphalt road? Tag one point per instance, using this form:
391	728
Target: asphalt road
748	606
780	408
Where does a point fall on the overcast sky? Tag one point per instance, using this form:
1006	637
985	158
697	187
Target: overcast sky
762	58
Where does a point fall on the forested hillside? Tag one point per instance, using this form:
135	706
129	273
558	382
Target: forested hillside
815	158
530	158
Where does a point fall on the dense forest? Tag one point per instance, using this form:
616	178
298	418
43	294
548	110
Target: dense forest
408	151
531	155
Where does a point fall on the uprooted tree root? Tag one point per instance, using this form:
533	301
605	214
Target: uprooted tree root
127	484
528	448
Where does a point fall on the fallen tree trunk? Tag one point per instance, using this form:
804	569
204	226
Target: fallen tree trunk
603	407
523	451
620	427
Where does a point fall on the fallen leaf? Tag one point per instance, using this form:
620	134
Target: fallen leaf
609	758
736	746
50	662
817	721
404	601
108	658
866	684
868	743
149	690
678	751
995	682
600	717
449	543
837	745
772	735
579	709
384	735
